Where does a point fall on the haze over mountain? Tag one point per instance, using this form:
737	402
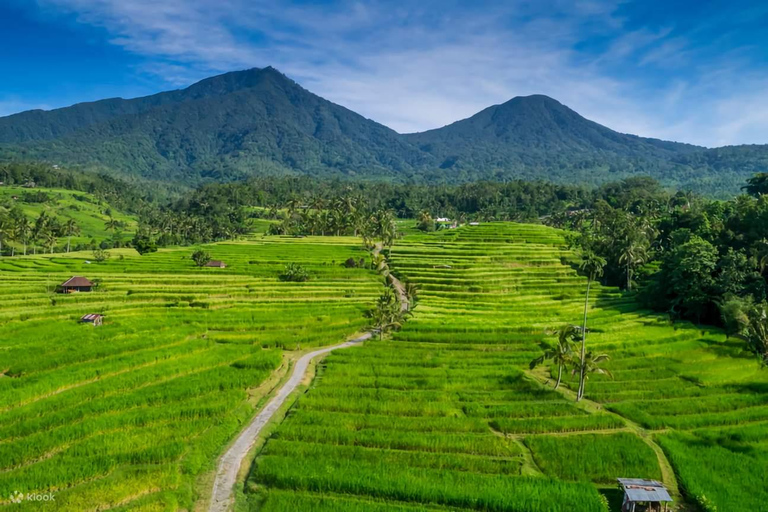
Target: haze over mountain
261	122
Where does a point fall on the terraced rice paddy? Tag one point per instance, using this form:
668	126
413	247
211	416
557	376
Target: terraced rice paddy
446	415
132	414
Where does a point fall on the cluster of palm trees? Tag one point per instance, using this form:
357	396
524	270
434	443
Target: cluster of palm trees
346	214
627	239
571	347
169	227
16	229
397	302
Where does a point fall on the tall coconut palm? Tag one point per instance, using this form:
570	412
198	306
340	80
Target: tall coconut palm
592	265
22	230
49	240
562	353
70	228
634	253
5	227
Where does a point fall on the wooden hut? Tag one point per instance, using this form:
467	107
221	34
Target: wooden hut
76	284
92	318
216	264
644	495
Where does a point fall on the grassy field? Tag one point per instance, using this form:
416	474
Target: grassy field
447	416
88	212
129	415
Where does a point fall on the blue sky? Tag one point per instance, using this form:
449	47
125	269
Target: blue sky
693	71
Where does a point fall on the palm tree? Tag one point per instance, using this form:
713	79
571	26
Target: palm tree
387	227
412	294
562	353
49	240
22	231
591	264
634	253
112	224
387	314
39	229
70	228
379	262
590	366
5	227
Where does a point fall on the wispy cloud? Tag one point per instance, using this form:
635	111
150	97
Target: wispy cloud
419	66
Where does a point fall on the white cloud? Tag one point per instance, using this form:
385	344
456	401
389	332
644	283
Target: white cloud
421	66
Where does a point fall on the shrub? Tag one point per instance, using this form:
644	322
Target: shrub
144	244
201	258
295	273
100	255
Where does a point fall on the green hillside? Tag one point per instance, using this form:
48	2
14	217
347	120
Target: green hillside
260	122
91	215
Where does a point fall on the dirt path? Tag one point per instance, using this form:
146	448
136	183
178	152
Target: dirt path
230	462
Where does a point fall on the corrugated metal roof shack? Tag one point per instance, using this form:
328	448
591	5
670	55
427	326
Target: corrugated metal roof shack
92	318
644	495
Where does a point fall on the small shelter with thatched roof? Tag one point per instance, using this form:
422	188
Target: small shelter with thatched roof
644	495
92	318
216	264
76	284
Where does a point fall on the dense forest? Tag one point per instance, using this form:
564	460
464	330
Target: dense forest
691	257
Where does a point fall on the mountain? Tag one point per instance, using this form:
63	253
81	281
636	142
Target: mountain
221	128
533	125
261	122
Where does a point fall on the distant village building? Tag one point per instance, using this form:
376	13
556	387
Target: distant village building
474	223
76	284
216	264
644	495
443	219
92	318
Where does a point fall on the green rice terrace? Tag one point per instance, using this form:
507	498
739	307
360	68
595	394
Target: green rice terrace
443	415
132	413
447	416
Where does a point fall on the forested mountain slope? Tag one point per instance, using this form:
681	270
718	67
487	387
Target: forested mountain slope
260	122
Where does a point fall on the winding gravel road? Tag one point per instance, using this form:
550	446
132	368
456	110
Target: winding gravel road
230	462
